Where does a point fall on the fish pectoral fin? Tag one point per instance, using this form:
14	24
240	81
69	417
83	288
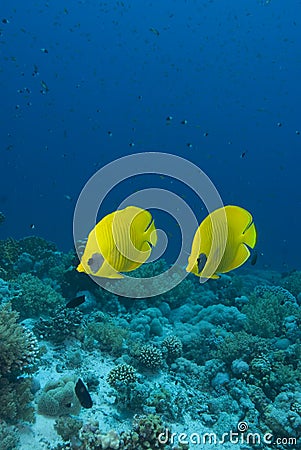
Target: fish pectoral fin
107	271
241	257
250	235
152	236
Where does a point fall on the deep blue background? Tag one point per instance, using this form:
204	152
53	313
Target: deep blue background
232	69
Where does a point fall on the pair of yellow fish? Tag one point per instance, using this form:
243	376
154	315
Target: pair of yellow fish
123	240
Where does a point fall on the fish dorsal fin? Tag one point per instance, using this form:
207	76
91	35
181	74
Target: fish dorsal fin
241	257
80	246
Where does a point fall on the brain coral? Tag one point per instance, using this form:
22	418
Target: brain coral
58	398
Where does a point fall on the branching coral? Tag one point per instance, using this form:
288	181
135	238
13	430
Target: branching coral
18	346
8	437
240	345
267	309
18	356
122	374
292	283
144	435
62	324
173	346
150	356
9	251
32	297
109	336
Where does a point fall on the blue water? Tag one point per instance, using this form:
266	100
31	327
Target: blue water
115	71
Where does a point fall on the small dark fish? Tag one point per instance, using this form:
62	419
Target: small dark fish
243	154
202	259
45	88
83	395
2	217
254	258
155	31
77	301
32	226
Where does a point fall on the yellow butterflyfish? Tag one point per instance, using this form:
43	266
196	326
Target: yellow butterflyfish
222	242
120	242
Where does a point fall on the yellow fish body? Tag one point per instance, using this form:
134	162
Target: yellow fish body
222	241
120	242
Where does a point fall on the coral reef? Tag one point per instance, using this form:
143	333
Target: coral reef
61	324
68	428
150	356
8	437
210	355
18	345
58	398
18	356
122	374
173	346
292	282
144	434
32	297
109	336
267	309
